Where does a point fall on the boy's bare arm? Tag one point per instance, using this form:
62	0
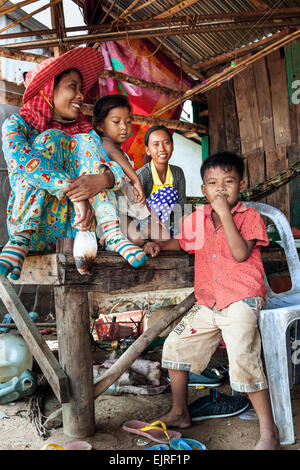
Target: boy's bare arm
169	245
240	248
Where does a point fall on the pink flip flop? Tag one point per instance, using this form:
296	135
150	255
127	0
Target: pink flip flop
156	431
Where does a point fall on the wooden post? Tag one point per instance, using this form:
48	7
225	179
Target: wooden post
75	357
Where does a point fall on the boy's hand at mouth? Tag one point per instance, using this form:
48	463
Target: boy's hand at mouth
220	203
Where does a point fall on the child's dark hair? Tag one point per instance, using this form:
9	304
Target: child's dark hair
107	103
224	160
147	158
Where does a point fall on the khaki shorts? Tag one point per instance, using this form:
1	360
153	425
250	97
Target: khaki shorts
195	338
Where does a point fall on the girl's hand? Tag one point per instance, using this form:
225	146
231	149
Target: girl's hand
84	215
87	186
151	248
139	195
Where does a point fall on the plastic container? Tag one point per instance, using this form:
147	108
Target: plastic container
85	251
15	357
17	387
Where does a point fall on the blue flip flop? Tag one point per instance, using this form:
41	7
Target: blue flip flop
159	447
186	444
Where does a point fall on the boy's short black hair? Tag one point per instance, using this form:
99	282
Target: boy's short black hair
107	103
225	160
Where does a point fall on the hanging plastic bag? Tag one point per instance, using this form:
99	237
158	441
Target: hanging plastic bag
85	251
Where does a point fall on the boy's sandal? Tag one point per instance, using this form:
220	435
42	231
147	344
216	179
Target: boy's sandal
186	444
156	431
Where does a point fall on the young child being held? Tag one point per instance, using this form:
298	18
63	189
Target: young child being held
230	292
112	122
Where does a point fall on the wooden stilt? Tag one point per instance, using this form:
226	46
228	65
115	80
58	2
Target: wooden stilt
75	357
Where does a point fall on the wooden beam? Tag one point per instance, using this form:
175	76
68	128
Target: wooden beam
237	52
200	20
140	344
2	2
260	4
38	347
147	33
20	20
27	56
58	22
176	9
230	71
16	100
16	6
75	355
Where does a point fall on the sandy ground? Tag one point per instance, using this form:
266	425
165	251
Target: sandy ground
18	433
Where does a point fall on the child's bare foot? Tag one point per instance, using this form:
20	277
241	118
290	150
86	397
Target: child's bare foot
173	420
269	441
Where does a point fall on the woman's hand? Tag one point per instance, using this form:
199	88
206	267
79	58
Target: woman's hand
87	186
139	195
84	214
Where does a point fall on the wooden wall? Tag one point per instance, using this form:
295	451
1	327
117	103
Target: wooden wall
252	115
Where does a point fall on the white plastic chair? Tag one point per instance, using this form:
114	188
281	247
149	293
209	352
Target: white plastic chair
282	309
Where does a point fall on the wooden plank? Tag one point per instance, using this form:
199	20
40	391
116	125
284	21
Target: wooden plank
38	347
75	356
112	274
264	103
276	161
279	94
43	269
231	125
215	103
293	152
247	110
256	167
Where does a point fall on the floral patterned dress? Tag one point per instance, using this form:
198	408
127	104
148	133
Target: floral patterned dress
38	167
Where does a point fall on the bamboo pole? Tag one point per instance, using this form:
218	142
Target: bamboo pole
13	99
229	73
20	20
2	2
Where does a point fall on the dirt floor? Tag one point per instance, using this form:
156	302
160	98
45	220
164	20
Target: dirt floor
17	432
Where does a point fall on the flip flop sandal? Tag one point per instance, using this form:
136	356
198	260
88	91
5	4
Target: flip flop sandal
156	431
186	444
77	445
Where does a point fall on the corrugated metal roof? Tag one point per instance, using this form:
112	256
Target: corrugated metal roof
202	46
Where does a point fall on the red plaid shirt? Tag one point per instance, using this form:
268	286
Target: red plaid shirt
219	279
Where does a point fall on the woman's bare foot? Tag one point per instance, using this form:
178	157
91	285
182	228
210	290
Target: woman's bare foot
269	441
173	420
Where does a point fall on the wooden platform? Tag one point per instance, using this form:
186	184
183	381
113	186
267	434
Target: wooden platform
71	378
